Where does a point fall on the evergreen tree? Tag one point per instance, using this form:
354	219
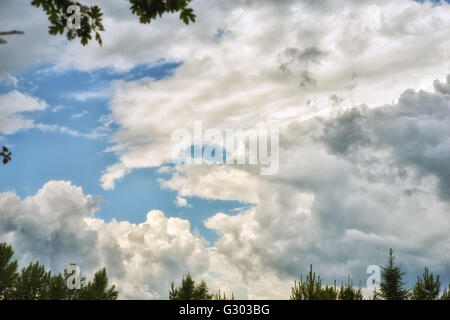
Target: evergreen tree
219	296
392	285
189	290
8	271
427	287
185	291
201	292
99	288
57	288
32	283
446	293
376	295
312	289
329	293
348	292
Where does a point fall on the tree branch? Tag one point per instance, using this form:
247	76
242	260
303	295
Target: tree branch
7	33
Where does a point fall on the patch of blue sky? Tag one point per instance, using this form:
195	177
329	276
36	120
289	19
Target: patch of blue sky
435	2
40	156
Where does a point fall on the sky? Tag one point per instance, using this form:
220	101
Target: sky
360	94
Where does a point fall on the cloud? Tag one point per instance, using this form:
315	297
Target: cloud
349	188
235	81
113	173
49	226
79	115
13	106
57	225
213	182
15	109
58	108
97	133
84	96
181	202
8	80
360	172
34	47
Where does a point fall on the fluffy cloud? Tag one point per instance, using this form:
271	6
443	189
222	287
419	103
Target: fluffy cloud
13	105
57	225
181	202
349	188
262	73
208	182
49	226
364	163
353	181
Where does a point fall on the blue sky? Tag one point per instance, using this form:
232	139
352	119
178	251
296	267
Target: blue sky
359	91
40	156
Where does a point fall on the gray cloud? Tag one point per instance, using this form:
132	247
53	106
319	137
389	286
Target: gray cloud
414	131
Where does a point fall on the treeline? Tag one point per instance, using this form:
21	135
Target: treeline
191	290
392	287
34	282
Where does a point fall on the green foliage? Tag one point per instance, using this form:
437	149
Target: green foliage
32	283
8	271
329	293
427	287
148	10
57	288
446	293
36	283
91	23
348	292
98	289
219	296
189	290
376	295
312	289
392	285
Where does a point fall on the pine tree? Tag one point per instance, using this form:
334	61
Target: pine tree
348	292
219	296
99	288
32	283
446	293
329	293
427	287
312	289
201	292
8	271
36	283
376	295
392	285
57	288
185	291
188	290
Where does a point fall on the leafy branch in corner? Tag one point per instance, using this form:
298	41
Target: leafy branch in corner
91	23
